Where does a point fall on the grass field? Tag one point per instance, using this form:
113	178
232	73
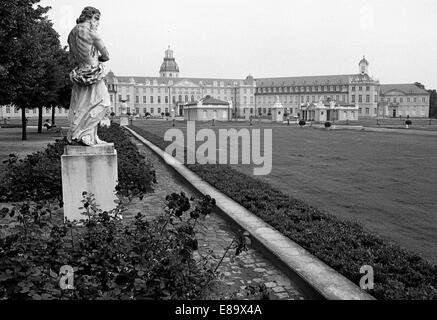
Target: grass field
11	143
385	181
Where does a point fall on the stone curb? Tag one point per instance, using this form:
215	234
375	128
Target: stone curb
312	272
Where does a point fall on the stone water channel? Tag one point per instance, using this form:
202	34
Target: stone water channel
251	268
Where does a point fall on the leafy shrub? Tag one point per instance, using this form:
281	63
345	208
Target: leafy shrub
38	176
146	260
343	245
302	123
327	124
408	122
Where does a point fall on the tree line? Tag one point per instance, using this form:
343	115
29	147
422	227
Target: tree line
34	67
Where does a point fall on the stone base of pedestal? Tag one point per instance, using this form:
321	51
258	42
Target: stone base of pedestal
124	121
91	169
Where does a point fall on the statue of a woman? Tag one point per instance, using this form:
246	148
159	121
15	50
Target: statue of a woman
90	99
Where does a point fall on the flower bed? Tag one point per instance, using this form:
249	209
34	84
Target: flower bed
343	245
38	176
106	259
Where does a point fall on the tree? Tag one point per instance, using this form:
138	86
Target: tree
432	103
33	65
20	53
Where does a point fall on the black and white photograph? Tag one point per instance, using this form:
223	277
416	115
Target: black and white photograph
228	158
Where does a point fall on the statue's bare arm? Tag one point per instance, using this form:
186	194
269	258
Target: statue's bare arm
98	43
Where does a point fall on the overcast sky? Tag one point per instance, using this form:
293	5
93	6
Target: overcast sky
234	38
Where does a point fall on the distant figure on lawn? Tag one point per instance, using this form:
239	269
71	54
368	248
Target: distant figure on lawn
90	99
48	125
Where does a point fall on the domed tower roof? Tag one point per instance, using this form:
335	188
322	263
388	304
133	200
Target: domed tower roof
364	66
364	61
169	64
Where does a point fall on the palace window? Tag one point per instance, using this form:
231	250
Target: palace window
144	99
353	98
368	98
127	98
376	98
192	98
360	98
166	99
159	110
368	88
353	88
186	98
367	111
360	88
144	110
151	99
360	110
152	110
159	99
137	99
120	97
424	100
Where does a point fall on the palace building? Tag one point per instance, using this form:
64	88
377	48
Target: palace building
318	98
403	100
168	92
321	98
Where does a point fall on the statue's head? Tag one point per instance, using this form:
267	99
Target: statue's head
90	14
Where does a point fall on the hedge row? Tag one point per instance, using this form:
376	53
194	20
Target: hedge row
343	245
38	176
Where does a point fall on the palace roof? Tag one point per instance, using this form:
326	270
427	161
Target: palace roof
406	88
312	80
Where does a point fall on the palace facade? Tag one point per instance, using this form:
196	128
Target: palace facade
331	97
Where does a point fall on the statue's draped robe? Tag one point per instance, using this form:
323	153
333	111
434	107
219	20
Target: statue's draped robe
90	99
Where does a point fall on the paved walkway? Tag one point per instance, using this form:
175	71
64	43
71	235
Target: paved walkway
378	129
249	269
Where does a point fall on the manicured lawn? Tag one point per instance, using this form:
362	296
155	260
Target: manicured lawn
11	143
385	181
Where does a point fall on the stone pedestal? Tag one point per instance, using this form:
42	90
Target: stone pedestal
91	169
124	120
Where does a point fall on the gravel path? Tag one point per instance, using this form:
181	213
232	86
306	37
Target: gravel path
236	273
